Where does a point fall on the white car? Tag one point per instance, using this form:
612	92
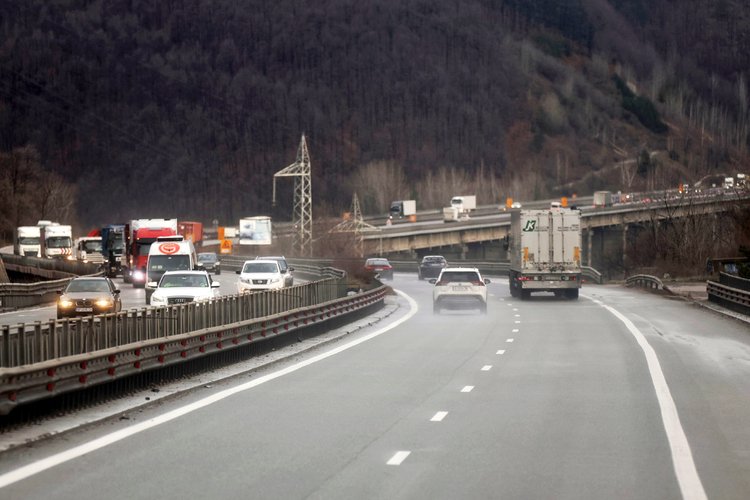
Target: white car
181	287
260	275
459	288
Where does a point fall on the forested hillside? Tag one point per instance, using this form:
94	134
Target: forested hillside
186	108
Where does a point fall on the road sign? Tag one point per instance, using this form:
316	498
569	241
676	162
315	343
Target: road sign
190	237
347	215
221	233
226	246
412	218
564	202
508	202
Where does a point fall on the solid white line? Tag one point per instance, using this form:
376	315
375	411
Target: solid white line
682	458
439	416
515	330
500	352
36	467
468	388
486	368
399	457
509	340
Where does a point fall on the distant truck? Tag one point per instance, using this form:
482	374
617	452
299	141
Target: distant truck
89	249
544	247
729	182
140	234
113	246
602	199
460	208
741	180
403	208
27	241
56	240
191	231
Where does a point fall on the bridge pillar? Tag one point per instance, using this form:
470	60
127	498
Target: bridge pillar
624	243
464	249
590	249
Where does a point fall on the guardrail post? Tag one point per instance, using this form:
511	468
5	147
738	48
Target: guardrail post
21	344
5	360
53	350
37	342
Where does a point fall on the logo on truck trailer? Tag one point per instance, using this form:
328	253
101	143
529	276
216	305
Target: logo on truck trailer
169	248
530	226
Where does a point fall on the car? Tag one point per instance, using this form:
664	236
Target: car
181	287
260	275
285	269
515	204
87	296
459	288
208	261
555	205
380	266
431	266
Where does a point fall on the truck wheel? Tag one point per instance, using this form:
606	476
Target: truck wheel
525	295
218	272
139	284
560	293
572	294
513	292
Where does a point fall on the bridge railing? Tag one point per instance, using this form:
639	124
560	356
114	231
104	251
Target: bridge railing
731	292
646	281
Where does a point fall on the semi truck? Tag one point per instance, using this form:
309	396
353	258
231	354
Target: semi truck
460	208
27	241
602	199
56	240
113	246
545	252
139	235
89	249
191	231
403	208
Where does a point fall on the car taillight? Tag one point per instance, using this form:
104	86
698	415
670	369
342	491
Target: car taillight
442	283
477	283
387	267
368	267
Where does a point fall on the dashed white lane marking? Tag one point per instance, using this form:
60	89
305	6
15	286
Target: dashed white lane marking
682	458
515	309
439	416
517	322
518	315
47	463
492	295
500	352
509	340
399	457
468	388
510	305
486	368
503	300
515	330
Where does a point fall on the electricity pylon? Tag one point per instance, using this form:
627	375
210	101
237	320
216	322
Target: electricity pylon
356	224
302	239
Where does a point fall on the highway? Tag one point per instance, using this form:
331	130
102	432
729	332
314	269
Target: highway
621	394
132	298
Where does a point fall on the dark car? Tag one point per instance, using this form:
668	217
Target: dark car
380	266
88	296
210	262
286	271
431	266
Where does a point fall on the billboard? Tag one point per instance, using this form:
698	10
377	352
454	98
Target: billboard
255	231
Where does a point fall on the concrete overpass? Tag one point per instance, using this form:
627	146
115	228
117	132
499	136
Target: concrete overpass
480	237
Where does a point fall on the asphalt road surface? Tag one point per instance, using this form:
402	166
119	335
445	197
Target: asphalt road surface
620	394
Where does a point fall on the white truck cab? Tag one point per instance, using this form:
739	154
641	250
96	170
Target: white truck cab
58	241
27	241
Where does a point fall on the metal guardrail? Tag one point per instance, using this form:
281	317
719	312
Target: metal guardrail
729	297
34	343
185	342
645	281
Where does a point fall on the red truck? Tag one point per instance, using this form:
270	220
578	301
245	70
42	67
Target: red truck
191	231
141	233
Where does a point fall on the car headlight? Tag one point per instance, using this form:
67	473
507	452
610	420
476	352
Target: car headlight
157	298
153	284
274	280
138	275
66	303
245	280
103	303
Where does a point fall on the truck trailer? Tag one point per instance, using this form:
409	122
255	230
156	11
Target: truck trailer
460	208
113	245
602	199
544	247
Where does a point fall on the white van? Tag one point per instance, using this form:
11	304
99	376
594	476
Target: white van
168	253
